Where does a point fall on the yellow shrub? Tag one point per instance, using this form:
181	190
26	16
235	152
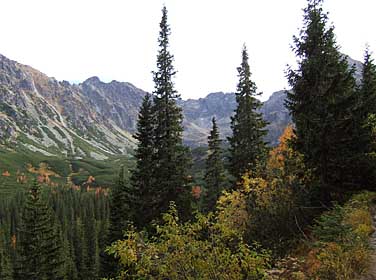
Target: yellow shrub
361	221
348	256
203	249
334	263
232	213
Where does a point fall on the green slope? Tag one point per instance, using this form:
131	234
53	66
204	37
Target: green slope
22	161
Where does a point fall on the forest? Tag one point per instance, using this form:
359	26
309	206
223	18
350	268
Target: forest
299	210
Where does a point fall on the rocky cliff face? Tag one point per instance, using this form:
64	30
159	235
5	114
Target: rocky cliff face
198	115
115	101
277	116
54	117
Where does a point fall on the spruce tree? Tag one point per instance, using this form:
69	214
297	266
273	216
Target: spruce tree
321	104
170	156
39	244
367	89
122	214
142	175
366	106
247	147
80	249
69	265
121	210
214	175
90	233
5	263
103	235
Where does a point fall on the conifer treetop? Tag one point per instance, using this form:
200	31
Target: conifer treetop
164	85
245	86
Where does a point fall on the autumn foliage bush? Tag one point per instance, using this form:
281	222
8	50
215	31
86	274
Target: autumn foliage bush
339	247
208	248
278	199
342	240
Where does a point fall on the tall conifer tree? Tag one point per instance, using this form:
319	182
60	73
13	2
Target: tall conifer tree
121	210
170	157
91	237
80	249
142	176
321	103
122	214
366	106
5	263
367	90
247	147
39	244
367	96
214	175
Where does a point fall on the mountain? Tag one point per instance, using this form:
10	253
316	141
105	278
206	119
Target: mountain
198	114
277	116
52	117
358	66
91	119
116	101
96	119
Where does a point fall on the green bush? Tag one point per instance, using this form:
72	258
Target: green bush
204	249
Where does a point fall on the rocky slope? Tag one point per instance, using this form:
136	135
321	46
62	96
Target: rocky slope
116	101
54	117
277	116
198	114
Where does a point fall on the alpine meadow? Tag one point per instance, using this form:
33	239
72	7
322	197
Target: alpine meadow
106	181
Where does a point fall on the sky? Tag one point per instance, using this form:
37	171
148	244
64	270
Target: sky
117	39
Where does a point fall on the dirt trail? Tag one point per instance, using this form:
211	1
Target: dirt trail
371	275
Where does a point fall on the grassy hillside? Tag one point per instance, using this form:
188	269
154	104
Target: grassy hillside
17	168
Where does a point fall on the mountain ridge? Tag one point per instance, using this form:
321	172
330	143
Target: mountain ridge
97	119
53	117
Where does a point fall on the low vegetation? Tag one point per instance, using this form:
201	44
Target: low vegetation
15	166
339	245
208	248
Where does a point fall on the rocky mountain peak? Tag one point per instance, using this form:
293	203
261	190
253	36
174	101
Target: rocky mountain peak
92	80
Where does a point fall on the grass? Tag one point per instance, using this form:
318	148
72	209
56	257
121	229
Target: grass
16	162
105	172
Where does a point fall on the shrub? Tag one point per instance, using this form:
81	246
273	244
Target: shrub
278	199
204	249
341	247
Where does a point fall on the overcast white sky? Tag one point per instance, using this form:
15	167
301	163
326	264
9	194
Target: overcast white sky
117	39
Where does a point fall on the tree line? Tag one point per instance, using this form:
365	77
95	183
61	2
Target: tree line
53	234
